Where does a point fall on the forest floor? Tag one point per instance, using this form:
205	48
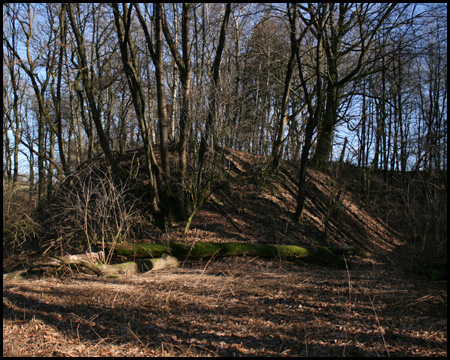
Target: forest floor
243	306
229	307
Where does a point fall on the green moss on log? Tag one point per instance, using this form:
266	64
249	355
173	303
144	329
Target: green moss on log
141	250
201	250
292	251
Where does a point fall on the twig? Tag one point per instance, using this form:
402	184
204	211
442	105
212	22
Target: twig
379	325
350	305
134	335
204	269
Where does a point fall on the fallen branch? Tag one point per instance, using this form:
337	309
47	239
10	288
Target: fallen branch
80	263
128	268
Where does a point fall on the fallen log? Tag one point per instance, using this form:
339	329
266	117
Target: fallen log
58	264
164	262
127	268
151	256
201	250
80	263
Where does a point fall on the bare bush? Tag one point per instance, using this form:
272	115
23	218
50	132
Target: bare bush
18	226
426	210
95	209
415	204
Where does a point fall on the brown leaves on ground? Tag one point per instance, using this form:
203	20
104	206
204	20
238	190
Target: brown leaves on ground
228	307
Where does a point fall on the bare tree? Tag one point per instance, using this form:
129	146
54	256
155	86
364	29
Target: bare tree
156	53
88	86
129	60
46	57
313	92
57	97
344	22
183	62
215	80
432	94
279	139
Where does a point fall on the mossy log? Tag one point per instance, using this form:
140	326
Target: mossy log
127	268
201	250
149	256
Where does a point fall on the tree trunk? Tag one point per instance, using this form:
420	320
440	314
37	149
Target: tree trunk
58	102
326	133
311	124
128	56
314	110
161	94
184	66
279	139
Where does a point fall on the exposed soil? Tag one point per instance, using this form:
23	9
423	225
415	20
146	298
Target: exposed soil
243	306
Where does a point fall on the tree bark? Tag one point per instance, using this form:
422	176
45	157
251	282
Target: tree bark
58	103
326	133
279	139
161	93
184	66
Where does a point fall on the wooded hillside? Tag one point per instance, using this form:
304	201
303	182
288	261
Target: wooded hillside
359	84
274	132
